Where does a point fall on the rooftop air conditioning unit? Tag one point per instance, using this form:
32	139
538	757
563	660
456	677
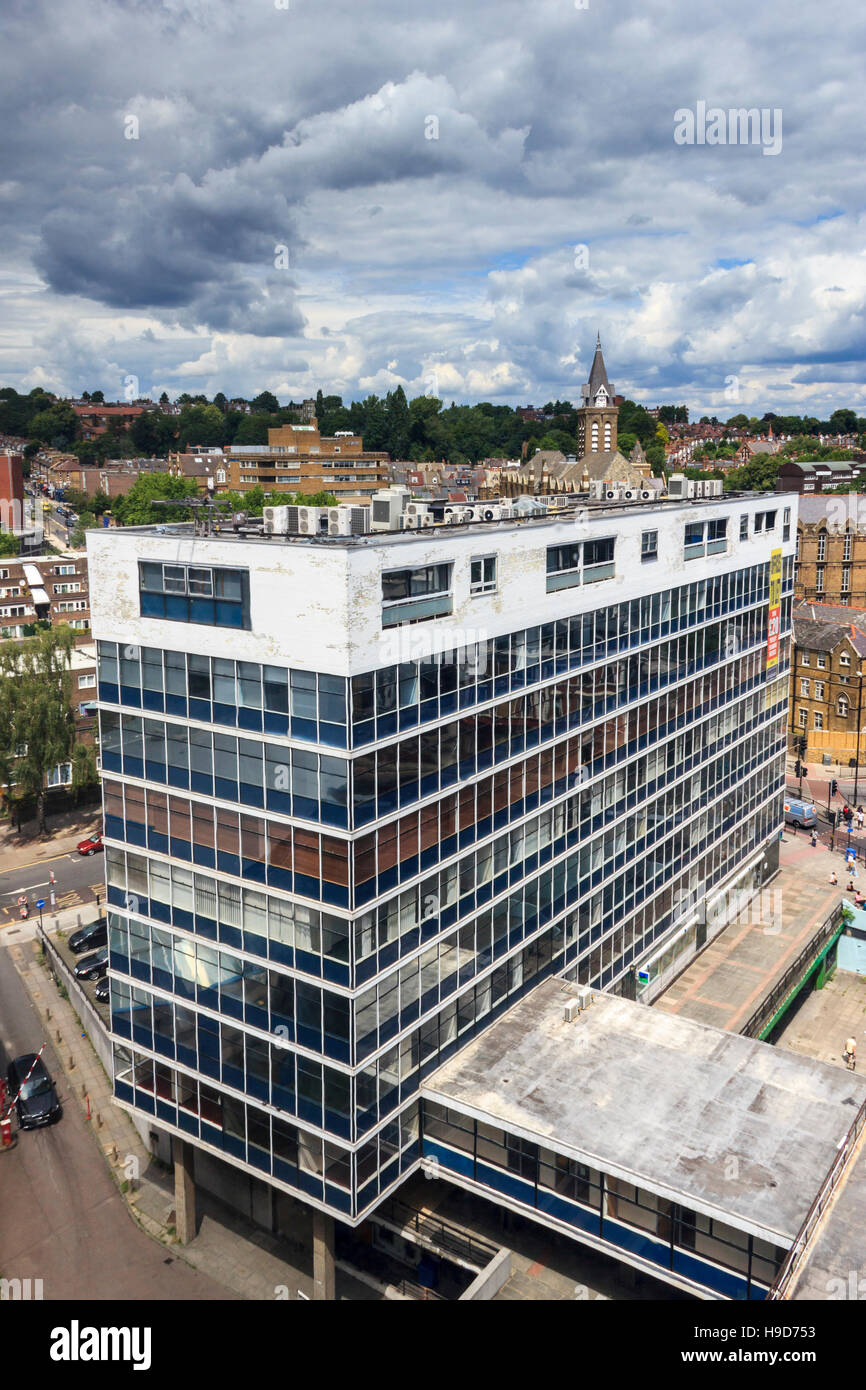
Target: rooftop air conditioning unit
312	521
596	489
629	494
491	512
570	1010
417	515
646	494
387	507
612	494
347	520
713	487
276	521
680	486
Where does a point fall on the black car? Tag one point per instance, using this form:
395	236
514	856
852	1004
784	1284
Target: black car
37	1104
101	991
96	934
94	966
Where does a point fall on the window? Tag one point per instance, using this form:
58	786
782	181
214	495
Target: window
786	524
706	538
821	661
846	576
806	659
60	776
822	546
649	545
842	706
804	689
64	569
844	659
482	575
819	690
414	594
87	682
819	581
576	563
846	546
819	719
744	528
195	594
802	717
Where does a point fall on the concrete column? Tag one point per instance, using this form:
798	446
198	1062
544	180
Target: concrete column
184	1191
323	1257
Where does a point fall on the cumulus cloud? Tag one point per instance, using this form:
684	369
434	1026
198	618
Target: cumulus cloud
214	196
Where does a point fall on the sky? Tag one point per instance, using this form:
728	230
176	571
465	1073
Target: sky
207	195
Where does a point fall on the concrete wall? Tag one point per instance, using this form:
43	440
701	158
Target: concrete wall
319	603
491	1279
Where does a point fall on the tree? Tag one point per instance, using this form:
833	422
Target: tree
843	422
84	774
86	521
252	429
9	544
37	730
58	425
163	400
98	398
137	509
266	402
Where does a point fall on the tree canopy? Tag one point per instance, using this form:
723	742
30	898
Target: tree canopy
37	730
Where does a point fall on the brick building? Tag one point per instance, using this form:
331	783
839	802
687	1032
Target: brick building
47	587
297	458
831	550
827	669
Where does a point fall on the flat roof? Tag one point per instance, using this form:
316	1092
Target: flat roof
577	508
662	1102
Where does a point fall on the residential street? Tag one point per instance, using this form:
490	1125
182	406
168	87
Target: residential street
62	1220
77	879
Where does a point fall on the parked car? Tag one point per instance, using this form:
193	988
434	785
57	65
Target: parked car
101	991
37	1104
89	937
93	966
92	845
800	813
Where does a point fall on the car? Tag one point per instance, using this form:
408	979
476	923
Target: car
93	935
92	845
93	966
101	991
37	1104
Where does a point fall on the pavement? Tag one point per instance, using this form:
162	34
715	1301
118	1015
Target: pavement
725	983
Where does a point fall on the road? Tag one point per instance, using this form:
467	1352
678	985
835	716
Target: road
62	1219
78	878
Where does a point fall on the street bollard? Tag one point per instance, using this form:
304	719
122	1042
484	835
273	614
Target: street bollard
59	1036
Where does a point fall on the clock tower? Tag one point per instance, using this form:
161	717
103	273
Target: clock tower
597	415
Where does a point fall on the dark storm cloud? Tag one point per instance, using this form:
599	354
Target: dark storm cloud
403	156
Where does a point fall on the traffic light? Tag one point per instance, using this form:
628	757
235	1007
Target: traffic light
802	745
834	786
797	769
832	819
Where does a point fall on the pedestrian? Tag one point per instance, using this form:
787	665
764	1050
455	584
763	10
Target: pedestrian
833	879
850	1053
850	888
860	817
814	838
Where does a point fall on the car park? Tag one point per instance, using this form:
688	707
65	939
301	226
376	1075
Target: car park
89	937
37	1103
93	966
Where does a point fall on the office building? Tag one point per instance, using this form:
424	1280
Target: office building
364	793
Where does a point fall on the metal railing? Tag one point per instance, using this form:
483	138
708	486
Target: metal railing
795	1255
437	1234
419	1292
782	988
